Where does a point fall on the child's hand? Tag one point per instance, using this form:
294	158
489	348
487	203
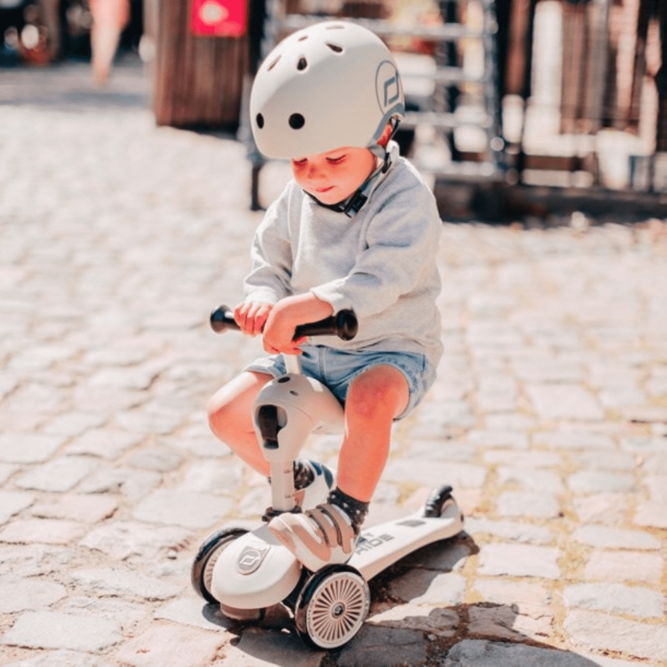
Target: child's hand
280	329
251	316
286	316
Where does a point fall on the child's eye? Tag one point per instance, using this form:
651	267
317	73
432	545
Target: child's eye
336	160
299	163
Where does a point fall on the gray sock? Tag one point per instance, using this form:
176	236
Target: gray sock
355	509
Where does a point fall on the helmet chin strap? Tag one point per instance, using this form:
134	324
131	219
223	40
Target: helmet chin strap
354	203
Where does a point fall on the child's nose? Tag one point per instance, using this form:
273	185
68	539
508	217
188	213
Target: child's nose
314	172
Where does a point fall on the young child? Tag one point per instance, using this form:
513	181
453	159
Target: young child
356	228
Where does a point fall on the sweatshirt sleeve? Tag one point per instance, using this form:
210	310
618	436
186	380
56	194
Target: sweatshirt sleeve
271	256
401	243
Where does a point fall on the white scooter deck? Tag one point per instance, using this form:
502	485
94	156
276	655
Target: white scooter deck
384	544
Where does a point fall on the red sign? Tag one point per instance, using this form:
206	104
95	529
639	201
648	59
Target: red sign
219	18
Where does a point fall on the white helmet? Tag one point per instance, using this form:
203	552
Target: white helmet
331	85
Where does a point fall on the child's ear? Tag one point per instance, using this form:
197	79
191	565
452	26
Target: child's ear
386	135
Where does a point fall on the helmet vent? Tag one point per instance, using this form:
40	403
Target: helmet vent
302	64
259	119
303	38
335	47
337	26
274	63
296	121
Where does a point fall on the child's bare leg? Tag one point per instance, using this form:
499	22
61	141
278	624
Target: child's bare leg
230	417
374	399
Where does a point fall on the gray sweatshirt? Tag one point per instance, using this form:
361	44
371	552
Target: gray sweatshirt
381	263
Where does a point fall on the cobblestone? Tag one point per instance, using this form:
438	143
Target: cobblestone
549	414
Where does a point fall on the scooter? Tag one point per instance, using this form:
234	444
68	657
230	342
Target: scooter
246	572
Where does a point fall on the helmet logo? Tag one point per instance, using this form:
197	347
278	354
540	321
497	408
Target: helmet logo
387	85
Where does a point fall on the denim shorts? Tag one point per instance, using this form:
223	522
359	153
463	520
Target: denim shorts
337	368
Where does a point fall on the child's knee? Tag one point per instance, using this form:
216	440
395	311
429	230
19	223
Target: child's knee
377	396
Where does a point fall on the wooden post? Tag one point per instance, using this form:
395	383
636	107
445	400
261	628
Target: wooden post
197	80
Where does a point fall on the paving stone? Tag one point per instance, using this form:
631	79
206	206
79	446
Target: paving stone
44	531
383	647
13	502
616	599
657	485
509	530
124	582
158	459
574	440
523	503
28	447
653	515
430	474
427	587
127	540
644	445
62	658
519	560
597	631
132	484
6	471
58	475
188	509
171	645
73	424
435	620
449	556
53	630
593	481
620	461
483	653
523	460
604	508
263	649
632	566
568	401
213	476
499	439
84	508
527	597
532	480
505	622
194	611
615	538
28	594
106	443
127	613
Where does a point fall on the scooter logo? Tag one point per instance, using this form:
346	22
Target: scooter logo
251	557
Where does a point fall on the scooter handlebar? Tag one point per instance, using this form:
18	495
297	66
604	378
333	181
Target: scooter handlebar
343	324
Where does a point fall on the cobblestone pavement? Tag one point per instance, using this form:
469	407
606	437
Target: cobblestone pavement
549	416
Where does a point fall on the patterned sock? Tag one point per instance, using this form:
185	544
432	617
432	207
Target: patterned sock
355	509
303	474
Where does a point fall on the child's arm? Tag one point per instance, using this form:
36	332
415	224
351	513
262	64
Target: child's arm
286	316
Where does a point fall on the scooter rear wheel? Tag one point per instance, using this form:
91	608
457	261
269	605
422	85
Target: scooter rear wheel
332	607
206	558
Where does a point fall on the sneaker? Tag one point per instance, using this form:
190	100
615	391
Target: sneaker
318	490
317	537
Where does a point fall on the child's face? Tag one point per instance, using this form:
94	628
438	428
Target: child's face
332	177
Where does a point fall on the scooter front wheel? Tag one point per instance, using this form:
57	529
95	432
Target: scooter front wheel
206	558
332	607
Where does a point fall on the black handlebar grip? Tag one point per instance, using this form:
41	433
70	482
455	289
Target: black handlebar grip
222	319
343	324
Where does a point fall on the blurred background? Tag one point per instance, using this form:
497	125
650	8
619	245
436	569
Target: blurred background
516	107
